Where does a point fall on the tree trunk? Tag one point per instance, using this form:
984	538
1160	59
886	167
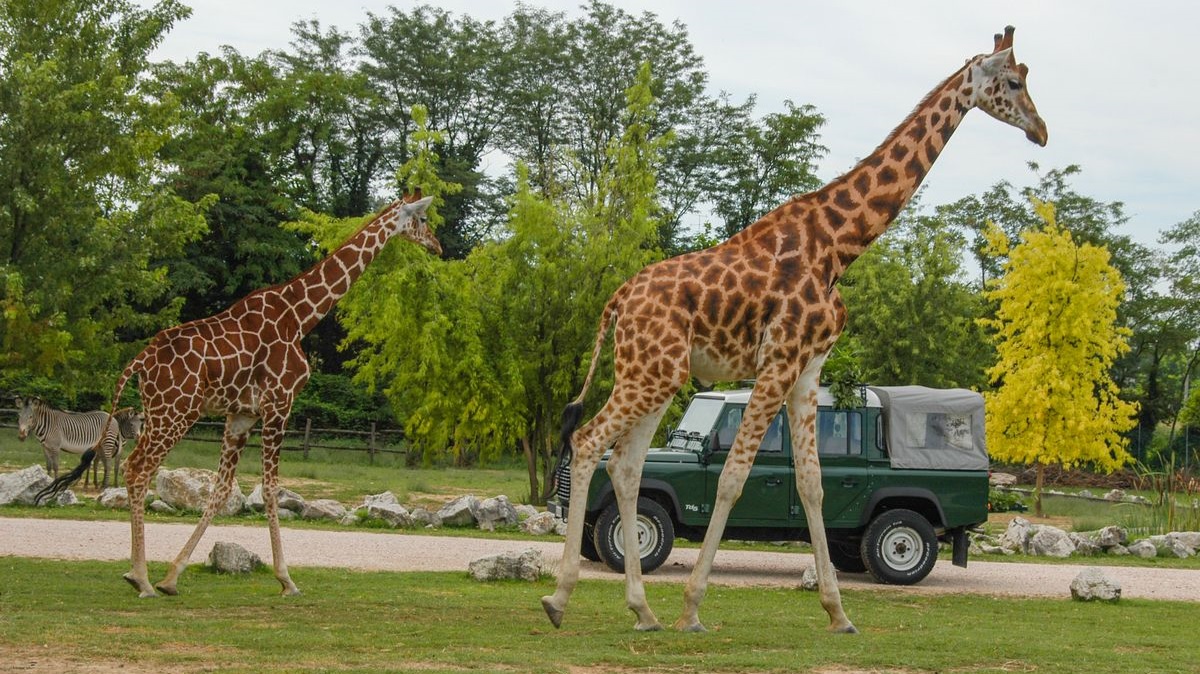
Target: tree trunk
1037	490
535	494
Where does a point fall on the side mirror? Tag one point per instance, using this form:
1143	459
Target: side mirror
712	444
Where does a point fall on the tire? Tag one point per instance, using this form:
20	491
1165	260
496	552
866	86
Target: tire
587	547
846	556
899	547
656	536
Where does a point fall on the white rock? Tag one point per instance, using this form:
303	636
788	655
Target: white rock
1092	585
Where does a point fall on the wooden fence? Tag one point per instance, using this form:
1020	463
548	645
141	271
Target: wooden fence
377	441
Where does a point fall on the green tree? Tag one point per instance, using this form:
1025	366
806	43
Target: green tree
82	219
1056	338
913	316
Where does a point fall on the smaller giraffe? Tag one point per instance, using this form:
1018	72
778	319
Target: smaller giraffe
245	363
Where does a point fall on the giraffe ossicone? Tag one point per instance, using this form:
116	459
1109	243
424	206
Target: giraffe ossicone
244	363
763	305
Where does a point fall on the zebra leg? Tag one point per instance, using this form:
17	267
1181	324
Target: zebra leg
51	460
237	428
272	437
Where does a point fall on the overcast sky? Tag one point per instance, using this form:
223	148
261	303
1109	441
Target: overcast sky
1112	79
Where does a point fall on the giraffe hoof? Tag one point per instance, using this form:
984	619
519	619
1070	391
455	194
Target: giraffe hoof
292	591
555	614
686	626
651	627
848	629
167	589
143	588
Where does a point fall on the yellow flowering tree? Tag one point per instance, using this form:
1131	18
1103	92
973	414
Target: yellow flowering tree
1056	337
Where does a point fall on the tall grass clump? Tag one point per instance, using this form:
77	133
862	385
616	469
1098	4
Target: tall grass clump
1174	505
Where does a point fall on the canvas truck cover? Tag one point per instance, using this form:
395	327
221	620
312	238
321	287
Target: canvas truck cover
940	429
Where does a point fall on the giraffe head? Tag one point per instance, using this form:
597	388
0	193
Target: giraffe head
408	220
998	82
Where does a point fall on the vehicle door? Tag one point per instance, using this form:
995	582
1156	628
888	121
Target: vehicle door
844	472
769	489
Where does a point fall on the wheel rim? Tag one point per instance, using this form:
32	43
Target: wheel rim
901	548
647	536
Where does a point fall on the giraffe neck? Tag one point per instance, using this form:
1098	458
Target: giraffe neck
315	291
860	205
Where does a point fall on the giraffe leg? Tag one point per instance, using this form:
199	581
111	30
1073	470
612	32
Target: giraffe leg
143	461
802	419
625	471
583	463
237	428
773	383
272	438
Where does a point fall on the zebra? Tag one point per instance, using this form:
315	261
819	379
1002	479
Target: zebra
76	432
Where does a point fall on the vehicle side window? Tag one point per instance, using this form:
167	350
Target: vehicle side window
839	432
727	427
773	439
731	420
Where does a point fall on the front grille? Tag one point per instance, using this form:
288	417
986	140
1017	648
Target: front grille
562	481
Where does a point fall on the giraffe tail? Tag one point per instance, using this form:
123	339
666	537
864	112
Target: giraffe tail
60	484
573	413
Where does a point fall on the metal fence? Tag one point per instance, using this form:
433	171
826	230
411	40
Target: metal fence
374	441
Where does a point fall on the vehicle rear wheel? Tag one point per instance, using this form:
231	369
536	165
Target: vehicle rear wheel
587	547
899	547
846	556
655	535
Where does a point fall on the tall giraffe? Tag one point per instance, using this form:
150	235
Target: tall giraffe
245	363
761	305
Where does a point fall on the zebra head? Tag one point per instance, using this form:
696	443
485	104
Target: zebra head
25	416
129	422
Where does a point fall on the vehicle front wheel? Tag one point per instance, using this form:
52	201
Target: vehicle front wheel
899	547
655	535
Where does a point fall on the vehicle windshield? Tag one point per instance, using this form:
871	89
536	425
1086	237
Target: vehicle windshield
697	421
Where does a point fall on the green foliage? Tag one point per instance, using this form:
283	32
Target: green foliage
334	401
1056	337
82	220
912	314
1005	501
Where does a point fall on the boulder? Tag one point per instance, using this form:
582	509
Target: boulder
525	565
386	498
1016	536
393	513
20	487
1115	495
539	524
1169	545
460	512
1084	545
1002	480
423	517
232	558
496	512
525	511
1144	549
114	497
324	508
808	579
1050	541
1086	493
1092	585
1117	551
1111	536
189	489
1190	540
161	506
285	499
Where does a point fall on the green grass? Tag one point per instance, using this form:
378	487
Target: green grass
342	475
71	615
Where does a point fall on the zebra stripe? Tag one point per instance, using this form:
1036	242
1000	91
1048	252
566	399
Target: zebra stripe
75	432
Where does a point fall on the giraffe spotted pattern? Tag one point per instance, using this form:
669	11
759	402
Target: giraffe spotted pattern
246	364
762	305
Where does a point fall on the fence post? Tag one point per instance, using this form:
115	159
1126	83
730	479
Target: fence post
371	444
307	431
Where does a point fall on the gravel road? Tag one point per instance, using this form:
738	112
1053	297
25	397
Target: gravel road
389	551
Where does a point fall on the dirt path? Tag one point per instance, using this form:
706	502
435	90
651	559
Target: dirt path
391	551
